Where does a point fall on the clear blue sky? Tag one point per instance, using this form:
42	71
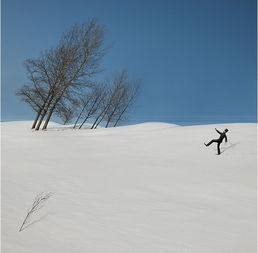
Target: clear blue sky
197	58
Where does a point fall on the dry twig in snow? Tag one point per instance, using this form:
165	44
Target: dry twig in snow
36	205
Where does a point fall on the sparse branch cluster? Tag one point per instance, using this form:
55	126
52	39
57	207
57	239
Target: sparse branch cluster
61	82
37	204
108	102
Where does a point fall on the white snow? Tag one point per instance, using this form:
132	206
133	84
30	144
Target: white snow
147	188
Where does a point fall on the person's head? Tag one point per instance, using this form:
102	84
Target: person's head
226	130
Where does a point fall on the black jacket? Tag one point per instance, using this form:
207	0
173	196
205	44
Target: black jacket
222	136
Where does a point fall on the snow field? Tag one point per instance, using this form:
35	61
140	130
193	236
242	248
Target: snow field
151	188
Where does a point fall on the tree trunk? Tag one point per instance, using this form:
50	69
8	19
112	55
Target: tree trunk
43	114
40	121
120	115
126	107
117	121
89	113
111	116
48	117
52	109
107	124
95	122
100	120
36	119
45	109
109	119
102	114
77	120
80	116
83	122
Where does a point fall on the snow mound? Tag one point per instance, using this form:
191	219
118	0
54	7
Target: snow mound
146	188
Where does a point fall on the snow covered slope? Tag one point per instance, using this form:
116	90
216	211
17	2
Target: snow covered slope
147	188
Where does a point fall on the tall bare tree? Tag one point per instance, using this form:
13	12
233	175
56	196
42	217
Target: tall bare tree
65	69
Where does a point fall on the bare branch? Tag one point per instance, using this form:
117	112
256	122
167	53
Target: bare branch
37	204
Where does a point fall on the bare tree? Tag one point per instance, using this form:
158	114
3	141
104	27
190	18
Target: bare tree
113	88
37	204
120	96
95	106
120	90
34	93
88	104
103	106
66	68
129	100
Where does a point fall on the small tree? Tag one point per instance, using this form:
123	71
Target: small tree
128	101
120	90
91	104
120	96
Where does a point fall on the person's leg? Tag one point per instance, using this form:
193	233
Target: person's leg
218	148
210	143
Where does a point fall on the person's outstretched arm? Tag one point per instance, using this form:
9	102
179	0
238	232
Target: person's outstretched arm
218	131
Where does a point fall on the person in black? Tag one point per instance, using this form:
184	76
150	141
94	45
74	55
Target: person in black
219	140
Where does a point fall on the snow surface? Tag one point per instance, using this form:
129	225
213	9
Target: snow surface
146	188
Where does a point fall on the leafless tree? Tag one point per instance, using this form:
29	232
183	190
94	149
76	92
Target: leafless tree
89	104
37	204
84	102
129	101
66	68
120	90
112	90
120	96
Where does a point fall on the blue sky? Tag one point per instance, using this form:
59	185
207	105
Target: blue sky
196	58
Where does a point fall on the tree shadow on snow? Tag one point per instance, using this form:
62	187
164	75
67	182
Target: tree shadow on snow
68	127
35	221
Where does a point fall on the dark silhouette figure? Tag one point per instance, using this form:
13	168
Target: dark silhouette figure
219	140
